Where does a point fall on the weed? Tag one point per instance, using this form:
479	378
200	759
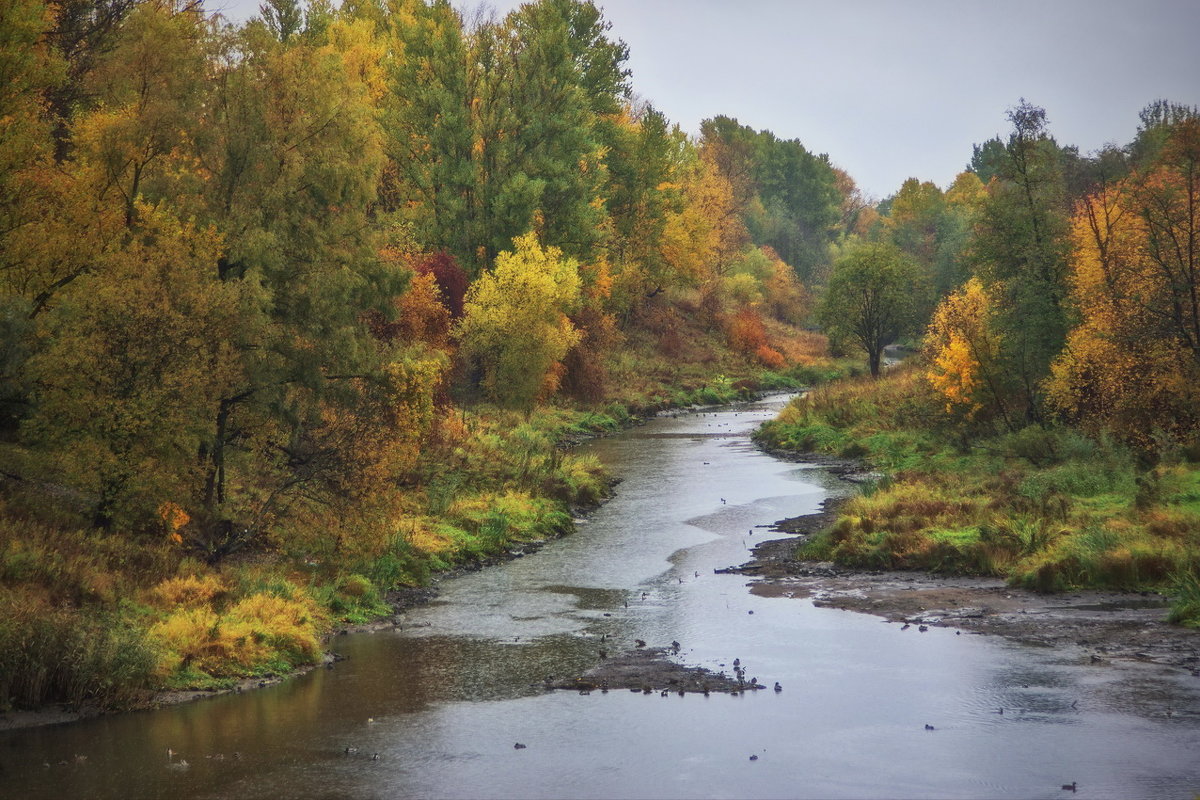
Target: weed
1185	591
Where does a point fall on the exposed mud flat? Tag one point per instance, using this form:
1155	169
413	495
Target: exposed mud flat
650	670
1103	625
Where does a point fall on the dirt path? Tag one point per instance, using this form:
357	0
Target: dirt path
1103	625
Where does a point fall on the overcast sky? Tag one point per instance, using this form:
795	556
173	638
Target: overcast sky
898	88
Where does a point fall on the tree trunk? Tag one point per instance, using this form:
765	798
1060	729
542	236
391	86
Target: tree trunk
874	356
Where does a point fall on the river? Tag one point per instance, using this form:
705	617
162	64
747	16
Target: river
435	708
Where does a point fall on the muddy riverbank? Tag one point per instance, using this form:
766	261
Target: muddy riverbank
1101	626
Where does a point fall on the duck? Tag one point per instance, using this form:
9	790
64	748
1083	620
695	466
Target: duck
778	688
923	628
1069	787
639	642
929	727
518	746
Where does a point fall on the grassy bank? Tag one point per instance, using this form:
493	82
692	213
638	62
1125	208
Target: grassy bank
1046	508
106	619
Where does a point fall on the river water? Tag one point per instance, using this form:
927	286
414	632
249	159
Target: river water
443	700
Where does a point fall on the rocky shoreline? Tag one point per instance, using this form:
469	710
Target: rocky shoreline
1099	626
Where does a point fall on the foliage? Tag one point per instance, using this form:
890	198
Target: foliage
1047	508
516	324
873	298
1020	252
787	197
53	654
963	351
1132	366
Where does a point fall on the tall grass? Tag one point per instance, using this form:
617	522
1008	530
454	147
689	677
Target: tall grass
1045	507
51	654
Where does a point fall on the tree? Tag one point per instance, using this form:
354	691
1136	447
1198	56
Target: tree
427	121
516	326
139	355
1020	252
963	351
284	18
873	298
788	198
1132	365
645	166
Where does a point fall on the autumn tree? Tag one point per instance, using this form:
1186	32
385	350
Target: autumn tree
430	175
873	298
645	165
30	67
140	353
516	327
963	352
1132	366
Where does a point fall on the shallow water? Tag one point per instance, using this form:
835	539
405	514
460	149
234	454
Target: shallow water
443	700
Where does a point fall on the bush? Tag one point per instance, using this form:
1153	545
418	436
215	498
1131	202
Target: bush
264	633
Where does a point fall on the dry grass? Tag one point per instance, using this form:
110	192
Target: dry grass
263	632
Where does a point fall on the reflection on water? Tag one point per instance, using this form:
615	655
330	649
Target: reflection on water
434	709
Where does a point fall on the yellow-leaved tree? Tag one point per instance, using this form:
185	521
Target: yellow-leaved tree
1132	365
963	351
515	326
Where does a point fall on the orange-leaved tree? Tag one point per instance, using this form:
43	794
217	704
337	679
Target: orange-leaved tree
1132	366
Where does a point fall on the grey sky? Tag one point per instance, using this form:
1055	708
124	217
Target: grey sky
898	88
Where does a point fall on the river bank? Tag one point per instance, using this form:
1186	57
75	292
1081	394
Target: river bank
1101	626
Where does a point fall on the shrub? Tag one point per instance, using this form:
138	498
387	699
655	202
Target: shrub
262	633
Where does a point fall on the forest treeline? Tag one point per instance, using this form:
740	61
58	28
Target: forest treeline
294	311
1049	429
244	264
